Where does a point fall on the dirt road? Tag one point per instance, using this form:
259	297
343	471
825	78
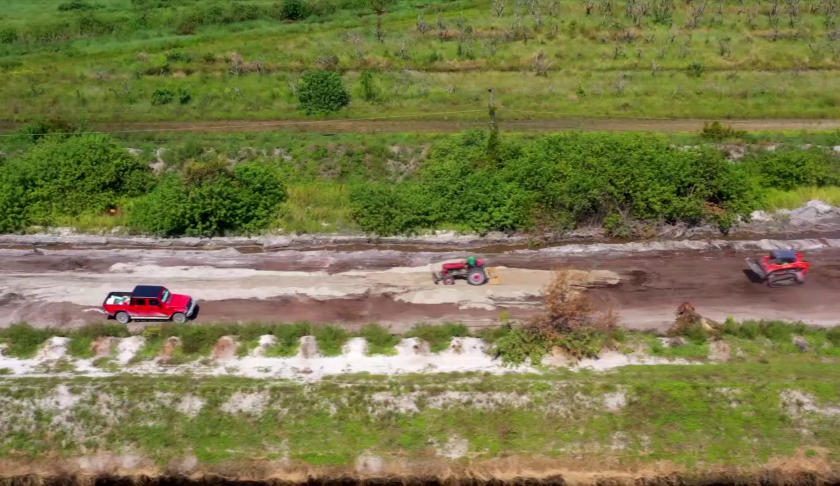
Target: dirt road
66	287
447	126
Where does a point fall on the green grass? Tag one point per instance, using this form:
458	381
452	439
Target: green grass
695	417
380	341
597	65
775	199
438	336
317	208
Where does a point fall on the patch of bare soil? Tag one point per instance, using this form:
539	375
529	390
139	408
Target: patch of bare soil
129	470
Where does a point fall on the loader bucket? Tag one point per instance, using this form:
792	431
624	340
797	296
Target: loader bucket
493	276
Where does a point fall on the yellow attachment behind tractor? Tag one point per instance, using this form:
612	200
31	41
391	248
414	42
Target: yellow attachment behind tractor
493	276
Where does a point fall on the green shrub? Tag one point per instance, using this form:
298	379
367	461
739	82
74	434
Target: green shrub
8	35
695	69
440	336
184	96
211	199
294	10
560	181
23	340
520	346
331	339
74	5
322	92
68	176
787	169
162	96
379	340
367	83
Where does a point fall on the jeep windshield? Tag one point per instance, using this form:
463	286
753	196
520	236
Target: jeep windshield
165	297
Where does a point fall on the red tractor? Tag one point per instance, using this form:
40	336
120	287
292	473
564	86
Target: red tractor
470	269
780	268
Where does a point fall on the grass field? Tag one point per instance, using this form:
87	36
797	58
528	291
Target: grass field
104	60
698	418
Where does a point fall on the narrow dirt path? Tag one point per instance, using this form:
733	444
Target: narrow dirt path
446	126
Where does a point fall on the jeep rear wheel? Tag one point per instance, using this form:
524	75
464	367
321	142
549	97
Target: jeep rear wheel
123	317
179	317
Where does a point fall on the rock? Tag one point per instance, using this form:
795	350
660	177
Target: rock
719	351
225	349
675	342
836	148
802	344
135	152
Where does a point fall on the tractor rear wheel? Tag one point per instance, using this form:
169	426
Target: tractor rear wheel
477	276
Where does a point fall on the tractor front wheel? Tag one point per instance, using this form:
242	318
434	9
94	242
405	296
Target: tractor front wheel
477	276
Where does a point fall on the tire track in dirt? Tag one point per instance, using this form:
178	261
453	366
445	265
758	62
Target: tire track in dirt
450	125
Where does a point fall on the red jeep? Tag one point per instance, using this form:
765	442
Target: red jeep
149	302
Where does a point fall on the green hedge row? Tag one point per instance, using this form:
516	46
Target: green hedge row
562	181
555	182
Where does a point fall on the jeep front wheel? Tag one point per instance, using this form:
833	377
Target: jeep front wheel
179	317
122	317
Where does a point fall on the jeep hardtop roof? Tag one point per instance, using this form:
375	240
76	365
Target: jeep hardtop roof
147	291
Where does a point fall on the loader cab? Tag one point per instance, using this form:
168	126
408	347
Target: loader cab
783	257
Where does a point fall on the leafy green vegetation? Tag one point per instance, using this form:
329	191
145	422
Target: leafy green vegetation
398	184
242	59
633	415
322	92
514	345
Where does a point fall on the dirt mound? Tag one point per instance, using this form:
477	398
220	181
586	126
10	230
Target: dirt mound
103	346
225	349
309	347
689	321
169	348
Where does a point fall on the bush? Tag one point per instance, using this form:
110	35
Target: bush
184	96
322	92
8	35
74	5
559	181
68	176
787	169
695	70
162	96
716	132
439	337
294	10
379	340
211	199
367	83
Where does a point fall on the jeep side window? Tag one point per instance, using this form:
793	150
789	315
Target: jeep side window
139	301
154	302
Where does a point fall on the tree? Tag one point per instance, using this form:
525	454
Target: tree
322	92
